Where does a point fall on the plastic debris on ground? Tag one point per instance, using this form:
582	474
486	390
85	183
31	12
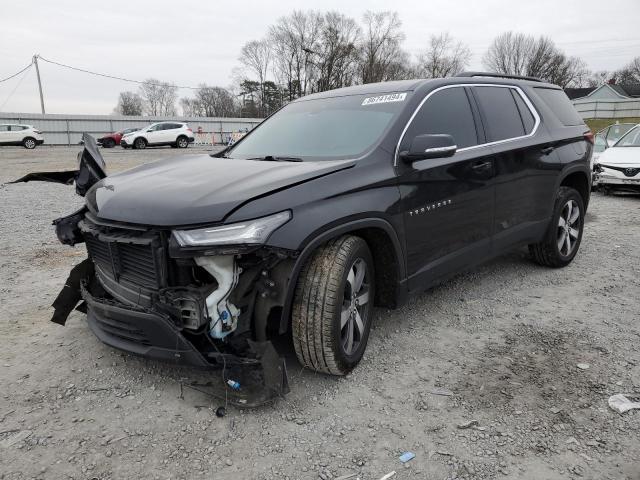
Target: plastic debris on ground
622	404
388	475
469	424
406	456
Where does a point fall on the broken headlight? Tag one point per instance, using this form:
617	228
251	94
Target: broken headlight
250	232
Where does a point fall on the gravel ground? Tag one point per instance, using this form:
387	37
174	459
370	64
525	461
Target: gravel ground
495	350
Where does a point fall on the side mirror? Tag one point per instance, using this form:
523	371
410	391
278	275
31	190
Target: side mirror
427	146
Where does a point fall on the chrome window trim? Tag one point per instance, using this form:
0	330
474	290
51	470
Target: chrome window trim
524	97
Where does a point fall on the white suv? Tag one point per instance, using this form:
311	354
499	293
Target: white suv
25	135
162	133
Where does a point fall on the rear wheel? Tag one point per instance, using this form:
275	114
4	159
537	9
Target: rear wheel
140	143
29	143
333	306
182	142
564	235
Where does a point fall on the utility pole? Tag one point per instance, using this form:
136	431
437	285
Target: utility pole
35	61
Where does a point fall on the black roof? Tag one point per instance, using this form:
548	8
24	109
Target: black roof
630	90
411	85
574	93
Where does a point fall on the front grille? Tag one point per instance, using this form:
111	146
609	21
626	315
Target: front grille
628	171
139	264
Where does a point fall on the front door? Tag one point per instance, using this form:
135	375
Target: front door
448	203
154	134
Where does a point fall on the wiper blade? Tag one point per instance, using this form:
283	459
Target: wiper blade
271	158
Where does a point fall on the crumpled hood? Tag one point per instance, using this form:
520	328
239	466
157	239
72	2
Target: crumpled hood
621	156
196	189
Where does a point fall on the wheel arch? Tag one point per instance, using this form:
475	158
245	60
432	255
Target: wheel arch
387	253
578	180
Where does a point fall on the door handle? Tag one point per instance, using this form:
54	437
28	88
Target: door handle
547	150
481	165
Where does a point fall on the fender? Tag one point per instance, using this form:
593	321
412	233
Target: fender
317	238
570	169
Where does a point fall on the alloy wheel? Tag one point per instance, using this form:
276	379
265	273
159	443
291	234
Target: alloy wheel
29	143
354	307
182	142
569	228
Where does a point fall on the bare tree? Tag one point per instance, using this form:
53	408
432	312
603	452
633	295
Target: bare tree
595	79
443	58
519	54
381	54
216	101
630	73
336	60
256	56
293	40
159	97
190	107
129	103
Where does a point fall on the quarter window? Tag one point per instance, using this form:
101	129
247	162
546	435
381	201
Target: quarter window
525	114
500	110
447	111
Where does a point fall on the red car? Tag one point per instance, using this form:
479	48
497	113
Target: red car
112	139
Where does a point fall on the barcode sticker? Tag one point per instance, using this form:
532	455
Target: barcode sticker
393	97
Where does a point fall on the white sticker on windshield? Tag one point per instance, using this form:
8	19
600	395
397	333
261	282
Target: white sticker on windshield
393	97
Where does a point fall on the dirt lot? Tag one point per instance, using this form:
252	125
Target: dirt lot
498	347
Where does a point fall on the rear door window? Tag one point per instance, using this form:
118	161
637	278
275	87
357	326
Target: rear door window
447	111
503	120
560	105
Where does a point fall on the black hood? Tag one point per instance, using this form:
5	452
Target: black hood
196	189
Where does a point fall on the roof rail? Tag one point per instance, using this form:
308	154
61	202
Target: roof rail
498	75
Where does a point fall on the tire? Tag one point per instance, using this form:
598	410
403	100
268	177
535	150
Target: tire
182	142
109	143
29	143
563	237
327	336
140	143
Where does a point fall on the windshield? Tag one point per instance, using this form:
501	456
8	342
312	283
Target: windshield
630	139
326	128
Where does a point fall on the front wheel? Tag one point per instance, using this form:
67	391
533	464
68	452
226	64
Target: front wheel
140	143
109	143
29	143
564	234
333	306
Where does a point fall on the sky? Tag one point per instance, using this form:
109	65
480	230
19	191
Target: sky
189	43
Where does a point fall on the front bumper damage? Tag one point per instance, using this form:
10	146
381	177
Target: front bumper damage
618	177
145	295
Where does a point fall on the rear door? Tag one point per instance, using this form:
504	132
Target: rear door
171	132
525	163
448	202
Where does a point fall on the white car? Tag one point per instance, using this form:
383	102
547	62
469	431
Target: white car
175	134
25	135
607	137
618	167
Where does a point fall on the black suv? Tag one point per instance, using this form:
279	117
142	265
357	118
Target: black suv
340	201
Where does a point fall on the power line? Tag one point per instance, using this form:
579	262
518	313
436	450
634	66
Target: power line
113	76
16	74
26	70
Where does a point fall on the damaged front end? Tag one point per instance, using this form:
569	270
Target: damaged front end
189	297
